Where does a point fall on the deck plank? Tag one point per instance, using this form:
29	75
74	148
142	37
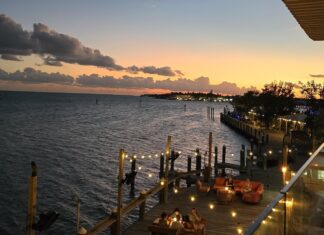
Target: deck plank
219	220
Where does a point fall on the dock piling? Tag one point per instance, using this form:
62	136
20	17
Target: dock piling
167	159
161	173
215	161
133	173
188	180
198	162
223	159
142	206
120	191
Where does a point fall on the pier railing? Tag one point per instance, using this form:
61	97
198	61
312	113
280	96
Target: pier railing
140	202
299	207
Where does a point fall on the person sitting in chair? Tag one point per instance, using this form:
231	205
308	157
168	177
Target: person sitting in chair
229	183
162	221
247	186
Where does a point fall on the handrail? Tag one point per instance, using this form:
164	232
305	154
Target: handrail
110	220
302	169
282	194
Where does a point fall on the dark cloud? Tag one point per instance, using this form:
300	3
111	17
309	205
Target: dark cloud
201	84
68	49
10	57
56	47
14	40
30	75
317	75
163	71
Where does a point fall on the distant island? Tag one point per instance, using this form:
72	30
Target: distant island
192	96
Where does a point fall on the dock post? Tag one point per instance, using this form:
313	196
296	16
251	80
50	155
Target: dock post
249	162
188	170
264	162
161	174
210	152
223	159
215	162
167	158
285	155
113	228
133	172
120	191
267	138
32	197
242	159
198	162
251	143
142	206
173	157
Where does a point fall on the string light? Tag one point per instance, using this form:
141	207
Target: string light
192	198
284	169
150	175
287	182
239	231
270	151
149	156
156	155
126	156
130	160
310	153
135	156
274	209
233	214
162	182
263	222
211	206
139	168
175	190
289	150
232	155
143	156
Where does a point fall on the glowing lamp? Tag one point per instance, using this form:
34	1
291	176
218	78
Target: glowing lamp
284	169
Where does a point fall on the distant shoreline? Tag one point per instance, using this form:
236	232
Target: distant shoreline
192	96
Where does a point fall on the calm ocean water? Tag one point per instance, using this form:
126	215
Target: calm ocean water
75	143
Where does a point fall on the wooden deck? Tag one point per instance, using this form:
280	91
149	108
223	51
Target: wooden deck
219	220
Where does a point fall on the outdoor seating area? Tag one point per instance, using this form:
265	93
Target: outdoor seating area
176	223
227	188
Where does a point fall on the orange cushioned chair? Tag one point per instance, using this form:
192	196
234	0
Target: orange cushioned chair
219	183
201	187
255	195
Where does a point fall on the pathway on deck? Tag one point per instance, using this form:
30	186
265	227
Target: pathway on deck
219	220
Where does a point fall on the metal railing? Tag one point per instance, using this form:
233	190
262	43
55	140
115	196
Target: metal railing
299	207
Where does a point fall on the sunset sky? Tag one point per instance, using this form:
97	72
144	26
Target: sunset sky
234	43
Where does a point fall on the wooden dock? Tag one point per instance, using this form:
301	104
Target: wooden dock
219	220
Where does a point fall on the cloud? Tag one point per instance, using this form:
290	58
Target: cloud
163	71
55	47
30	75
48	60
317	75
10	57
201	84
68	49
14	40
